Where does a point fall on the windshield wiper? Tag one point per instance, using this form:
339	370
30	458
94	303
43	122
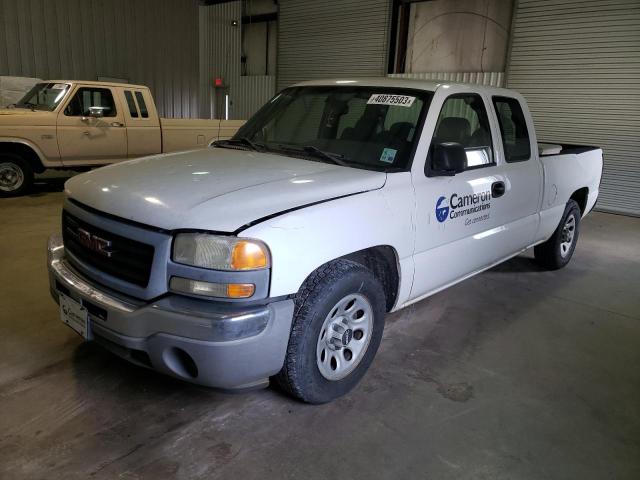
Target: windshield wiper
30	105
335	158
244	141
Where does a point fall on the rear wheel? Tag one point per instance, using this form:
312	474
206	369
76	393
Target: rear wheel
337	328
16	175
556	252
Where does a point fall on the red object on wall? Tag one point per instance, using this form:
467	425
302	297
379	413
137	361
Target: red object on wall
217	82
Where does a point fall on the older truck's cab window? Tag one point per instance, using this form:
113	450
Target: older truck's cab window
87	97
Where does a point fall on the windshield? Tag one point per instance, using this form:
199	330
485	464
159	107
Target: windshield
44	96
366	127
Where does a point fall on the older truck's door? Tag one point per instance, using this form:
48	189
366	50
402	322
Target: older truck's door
88	140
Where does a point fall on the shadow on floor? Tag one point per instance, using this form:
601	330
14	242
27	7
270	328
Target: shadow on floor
43	186
518	264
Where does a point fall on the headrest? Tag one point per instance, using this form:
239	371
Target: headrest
453	129
401	130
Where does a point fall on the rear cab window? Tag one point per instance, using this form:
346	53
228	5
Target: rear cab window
144	113
513	128
131	104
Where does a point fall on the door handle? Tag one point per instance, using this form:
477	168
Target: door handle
117	124
86	133
498	189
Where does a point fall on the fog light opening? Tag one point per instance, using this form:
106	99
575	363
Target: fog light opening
180	362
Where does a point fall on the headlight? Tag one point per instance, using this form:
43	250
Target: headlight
219	253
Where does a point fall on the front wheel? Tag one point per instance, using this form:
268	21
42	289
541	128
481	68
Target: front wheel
556	252
16	175
337	328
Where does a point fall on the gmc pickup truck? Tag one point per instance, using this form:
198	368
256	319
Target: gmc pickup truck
67	124
277	253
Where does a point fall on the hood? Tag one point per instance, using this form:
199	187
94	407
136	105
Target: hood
25	116
215	189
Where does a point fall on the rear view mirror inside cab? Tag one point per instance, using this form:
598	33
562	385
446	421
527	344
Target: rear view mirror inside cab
446	159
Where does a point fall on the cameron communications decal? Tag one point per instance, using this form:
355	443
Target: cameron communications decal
442	209
458	206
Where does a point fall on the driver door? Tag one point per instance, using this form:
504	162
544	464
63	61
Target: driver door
460	217
88	140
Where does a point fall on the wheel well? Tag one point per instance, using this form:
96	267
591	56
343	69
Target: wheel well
580	196
383	262
25	152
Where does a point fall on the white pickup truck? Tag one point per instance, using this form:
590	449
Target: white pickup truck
277	253
71	124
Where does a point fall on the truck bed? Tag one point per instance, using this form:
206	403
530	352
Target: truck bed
575	168
186	134
546	149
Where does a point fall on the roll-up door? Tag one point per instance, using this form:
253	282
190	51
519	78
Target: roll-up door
578	65
332	38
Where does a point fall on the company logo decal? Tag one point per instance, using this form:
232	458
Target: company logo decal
457	206
95	243
442	209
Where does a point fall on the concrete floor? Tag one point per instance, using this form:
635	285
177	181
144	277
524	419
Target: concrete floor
514	374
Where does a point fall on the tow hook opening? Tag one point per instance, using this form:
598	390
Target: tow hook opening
180	362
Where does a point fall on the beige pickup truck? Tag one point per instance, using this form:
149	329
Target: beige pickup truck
65	124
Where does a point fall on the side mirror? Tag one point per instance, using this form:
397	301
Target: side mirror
447	159
97	112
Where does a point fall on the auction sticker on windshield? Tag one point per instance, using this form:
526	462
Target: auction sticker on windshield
394	100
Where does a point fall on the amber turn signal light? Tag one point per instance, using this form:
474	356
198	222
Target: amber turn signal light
240	290
248	256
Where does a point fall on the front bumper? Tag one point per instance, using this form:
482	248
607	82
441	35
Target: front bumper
204	342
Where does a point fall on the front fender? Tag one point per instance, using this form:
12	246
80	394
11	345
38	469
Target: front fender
302	240
30	144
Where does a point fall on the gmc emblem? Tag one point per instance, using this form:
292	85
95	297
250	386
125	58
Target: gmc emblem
94	242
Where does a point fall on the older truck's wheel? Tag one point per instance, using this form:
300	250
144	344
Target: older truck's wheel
16	175
337	327
556	252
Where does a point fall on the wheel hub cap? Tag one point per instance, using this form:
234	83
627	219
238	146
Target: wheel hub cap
567	236
344	337
11	177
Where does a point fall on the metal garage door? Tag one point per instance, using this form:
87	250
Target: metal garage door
578	65
328	38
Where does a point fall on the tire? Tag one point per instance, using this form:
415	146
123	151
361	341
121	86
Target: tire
556	252
321	322
16	175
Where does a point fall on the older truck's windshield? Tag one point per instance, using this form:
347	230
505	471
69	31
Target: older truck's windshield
44	96
366	127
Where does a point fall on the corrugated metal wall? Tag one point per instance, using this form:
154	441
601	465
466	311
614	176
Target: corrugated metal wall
494	79
251	93
152	42
328	38
578	65
220	46
219	50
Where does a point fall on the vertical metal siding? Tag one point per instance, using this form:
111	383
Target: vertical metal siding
220	47
328	38
578	65
251	93
493	79
152	42
220	43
